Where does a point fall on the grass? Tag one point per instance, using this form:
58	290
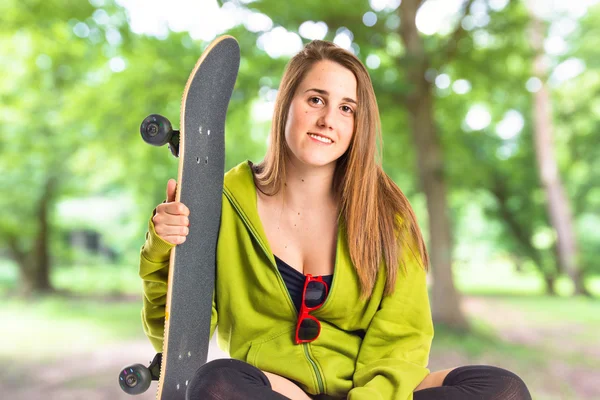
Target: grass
498	277
480	347
482	342
102	307
550	342
51	327
556	310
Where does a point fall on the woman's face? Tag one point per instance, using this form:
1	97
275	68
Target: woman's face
320	120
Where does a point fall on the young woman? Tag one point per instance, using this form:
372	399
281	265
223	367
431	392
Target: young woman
320	284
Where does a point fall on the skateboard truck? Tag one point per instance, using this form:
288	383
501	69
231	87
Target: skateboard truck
135	379
157	131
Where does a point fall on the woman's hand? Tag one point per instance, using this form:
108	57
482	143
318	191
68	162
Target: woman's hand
171	218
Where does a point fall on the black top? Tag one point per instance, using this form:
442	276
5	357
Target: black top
294	281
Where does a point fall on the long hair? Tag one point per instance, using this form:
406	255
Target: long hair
380	223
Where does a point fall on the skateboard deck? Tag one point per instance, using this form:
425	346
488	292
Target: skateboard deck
201	150
200	187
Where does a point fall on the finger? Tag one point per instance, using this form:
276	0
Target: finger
172	230
173	239
171	189
163	219
166	230
176	220
174	208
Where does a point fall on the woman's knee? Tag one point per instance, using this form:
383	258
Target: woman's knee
221	377
210	377
515	386
506	383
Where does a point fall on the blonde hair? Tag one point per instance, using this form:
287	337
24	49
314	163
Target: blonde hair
377	215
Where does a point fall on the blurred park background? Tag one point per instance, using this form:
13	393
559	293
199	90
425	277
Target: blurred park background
491	123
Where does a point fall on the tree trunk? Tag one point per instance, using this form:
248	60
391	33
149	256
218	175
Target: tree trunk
550	282
34	263
445	299
523	234
557	203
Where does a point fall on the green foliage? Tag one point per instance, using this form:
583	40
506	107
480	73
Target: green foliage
77	83
76	88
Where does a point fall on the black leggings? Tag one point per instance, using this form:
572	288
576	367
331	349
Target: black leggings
229	379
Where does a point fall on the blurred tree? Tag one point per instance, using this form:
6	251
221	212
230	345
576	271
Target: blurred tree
557	204
577	135
419	101
483	109
488	81
45	54
77	83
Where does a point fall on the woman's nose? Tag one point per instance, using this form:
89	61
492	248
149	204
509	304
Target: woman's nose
326	118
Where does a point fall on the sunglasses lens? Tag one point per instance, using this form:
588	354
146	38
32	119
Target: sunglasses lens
315	294
309	329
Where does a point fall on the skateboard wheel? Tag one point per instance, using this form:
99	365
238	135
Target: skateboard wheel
156	130
135	379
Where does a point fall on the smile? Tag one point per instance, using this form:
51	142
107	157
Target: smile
321	139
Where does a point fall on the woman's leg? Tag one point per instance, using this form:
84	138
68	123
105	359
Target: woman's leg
434	379
286	387
229	379
473	382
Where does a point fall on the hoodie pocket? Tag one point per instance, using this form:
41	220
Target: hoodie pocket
280	355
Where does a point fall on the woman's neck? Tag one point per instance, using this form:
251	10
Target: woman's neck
308	188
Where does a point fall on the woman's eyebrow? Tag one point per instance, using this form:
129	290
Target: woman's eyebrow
326	93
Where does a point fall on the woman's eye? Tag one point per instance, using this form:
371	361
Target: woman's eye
315	100
347	109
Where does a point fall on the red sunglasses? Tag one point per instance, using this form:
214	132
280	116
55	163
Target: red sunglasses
314	294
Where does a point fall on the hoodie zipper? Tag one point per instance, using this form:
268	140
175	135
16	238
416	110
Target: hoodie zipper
289	297
315	368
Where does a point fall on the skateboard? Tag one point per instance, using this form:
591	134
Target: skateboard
200	146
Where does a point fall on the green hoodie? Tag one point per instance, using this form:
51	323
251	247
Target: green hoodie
371	349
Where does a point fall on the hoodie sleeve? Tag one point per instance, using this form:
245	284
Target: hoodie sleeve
394	354
154	271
